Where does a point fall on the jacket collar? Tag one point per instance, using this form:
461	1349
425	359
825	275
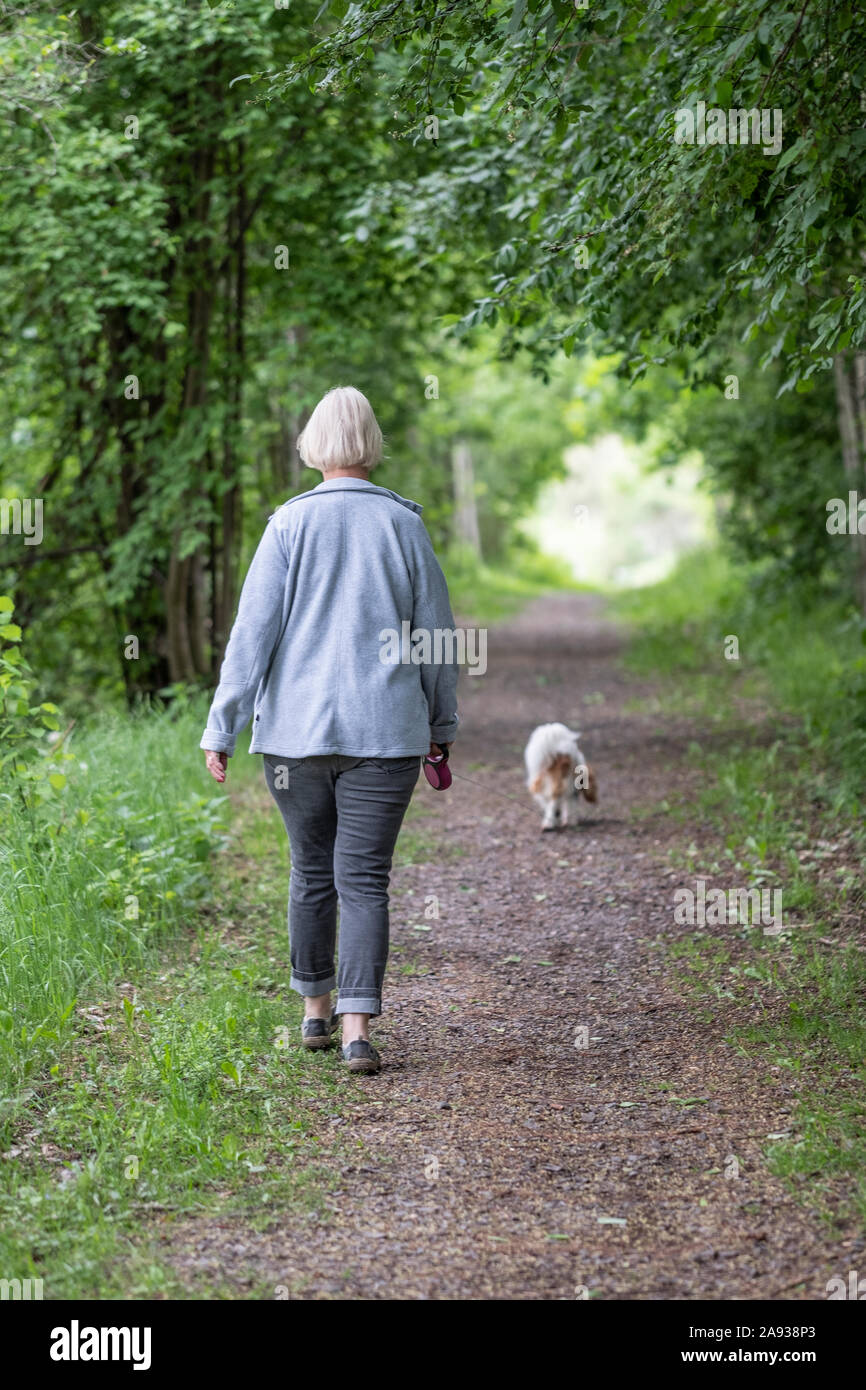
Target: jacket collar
359	485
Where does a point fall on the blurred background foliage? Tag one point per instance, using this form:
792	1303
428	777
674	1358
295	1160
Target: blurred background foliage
212	214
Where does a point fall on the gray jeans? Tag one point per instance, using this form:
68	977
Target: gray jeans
343	816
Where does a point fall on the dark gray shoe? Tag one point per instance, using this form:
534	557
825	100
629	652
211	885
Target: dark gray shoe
361	1056
316	1032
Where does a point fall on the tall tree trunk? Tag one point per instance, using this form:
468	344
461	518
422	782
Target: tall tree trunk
139	615
296	464
198	623
184	608
851	406
235	355
465	507
213	567
179	651
296	337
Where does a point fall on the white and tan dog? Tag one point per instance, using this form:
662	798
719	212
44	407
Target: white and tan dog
556	772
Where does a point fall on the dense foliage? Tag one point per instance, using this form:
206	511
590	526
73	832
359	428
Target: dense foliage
179	287
599	228
212	213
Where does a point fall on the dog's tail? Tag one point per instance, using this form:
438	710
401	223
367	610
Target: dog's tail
590	791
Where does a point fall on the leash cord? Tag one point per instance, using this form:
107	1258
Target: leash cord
481	786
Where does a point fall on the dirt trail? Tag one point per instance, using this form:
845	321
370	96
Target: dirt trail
499	1159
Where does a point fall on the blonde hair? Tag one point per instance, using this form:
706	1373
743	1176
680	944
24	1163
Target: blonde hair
342	432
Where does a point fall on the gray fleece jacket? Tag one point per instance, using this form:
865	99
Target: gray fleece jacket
310	658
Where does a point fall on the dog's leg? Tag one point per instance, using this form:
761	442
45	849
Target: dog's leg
544	804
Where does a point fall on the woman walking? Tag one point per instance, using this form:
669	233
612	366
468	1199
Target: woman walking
341	712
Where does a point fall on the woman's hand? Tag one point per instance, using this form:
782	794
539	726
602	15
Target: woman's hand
216	765
435	751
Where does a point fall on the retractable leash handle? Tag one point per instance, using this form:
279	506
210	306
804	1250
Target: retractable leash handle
437	771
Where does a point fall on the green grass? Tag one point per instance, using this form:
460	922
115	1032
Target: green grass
780	803
93	881
807	662
154	1071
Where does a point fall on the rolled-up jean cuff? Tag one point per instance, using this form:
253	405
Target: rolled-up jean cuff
310	988
358	1004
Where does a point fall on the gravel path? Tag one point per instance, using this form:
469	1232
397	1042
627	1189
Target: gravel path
500	1157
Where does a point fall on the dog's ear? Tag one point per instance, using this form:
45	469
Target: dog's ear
590	791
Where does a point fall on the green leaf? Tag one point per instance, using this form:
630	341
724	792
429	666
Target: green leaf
724	92
814	211
791	154
516	16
